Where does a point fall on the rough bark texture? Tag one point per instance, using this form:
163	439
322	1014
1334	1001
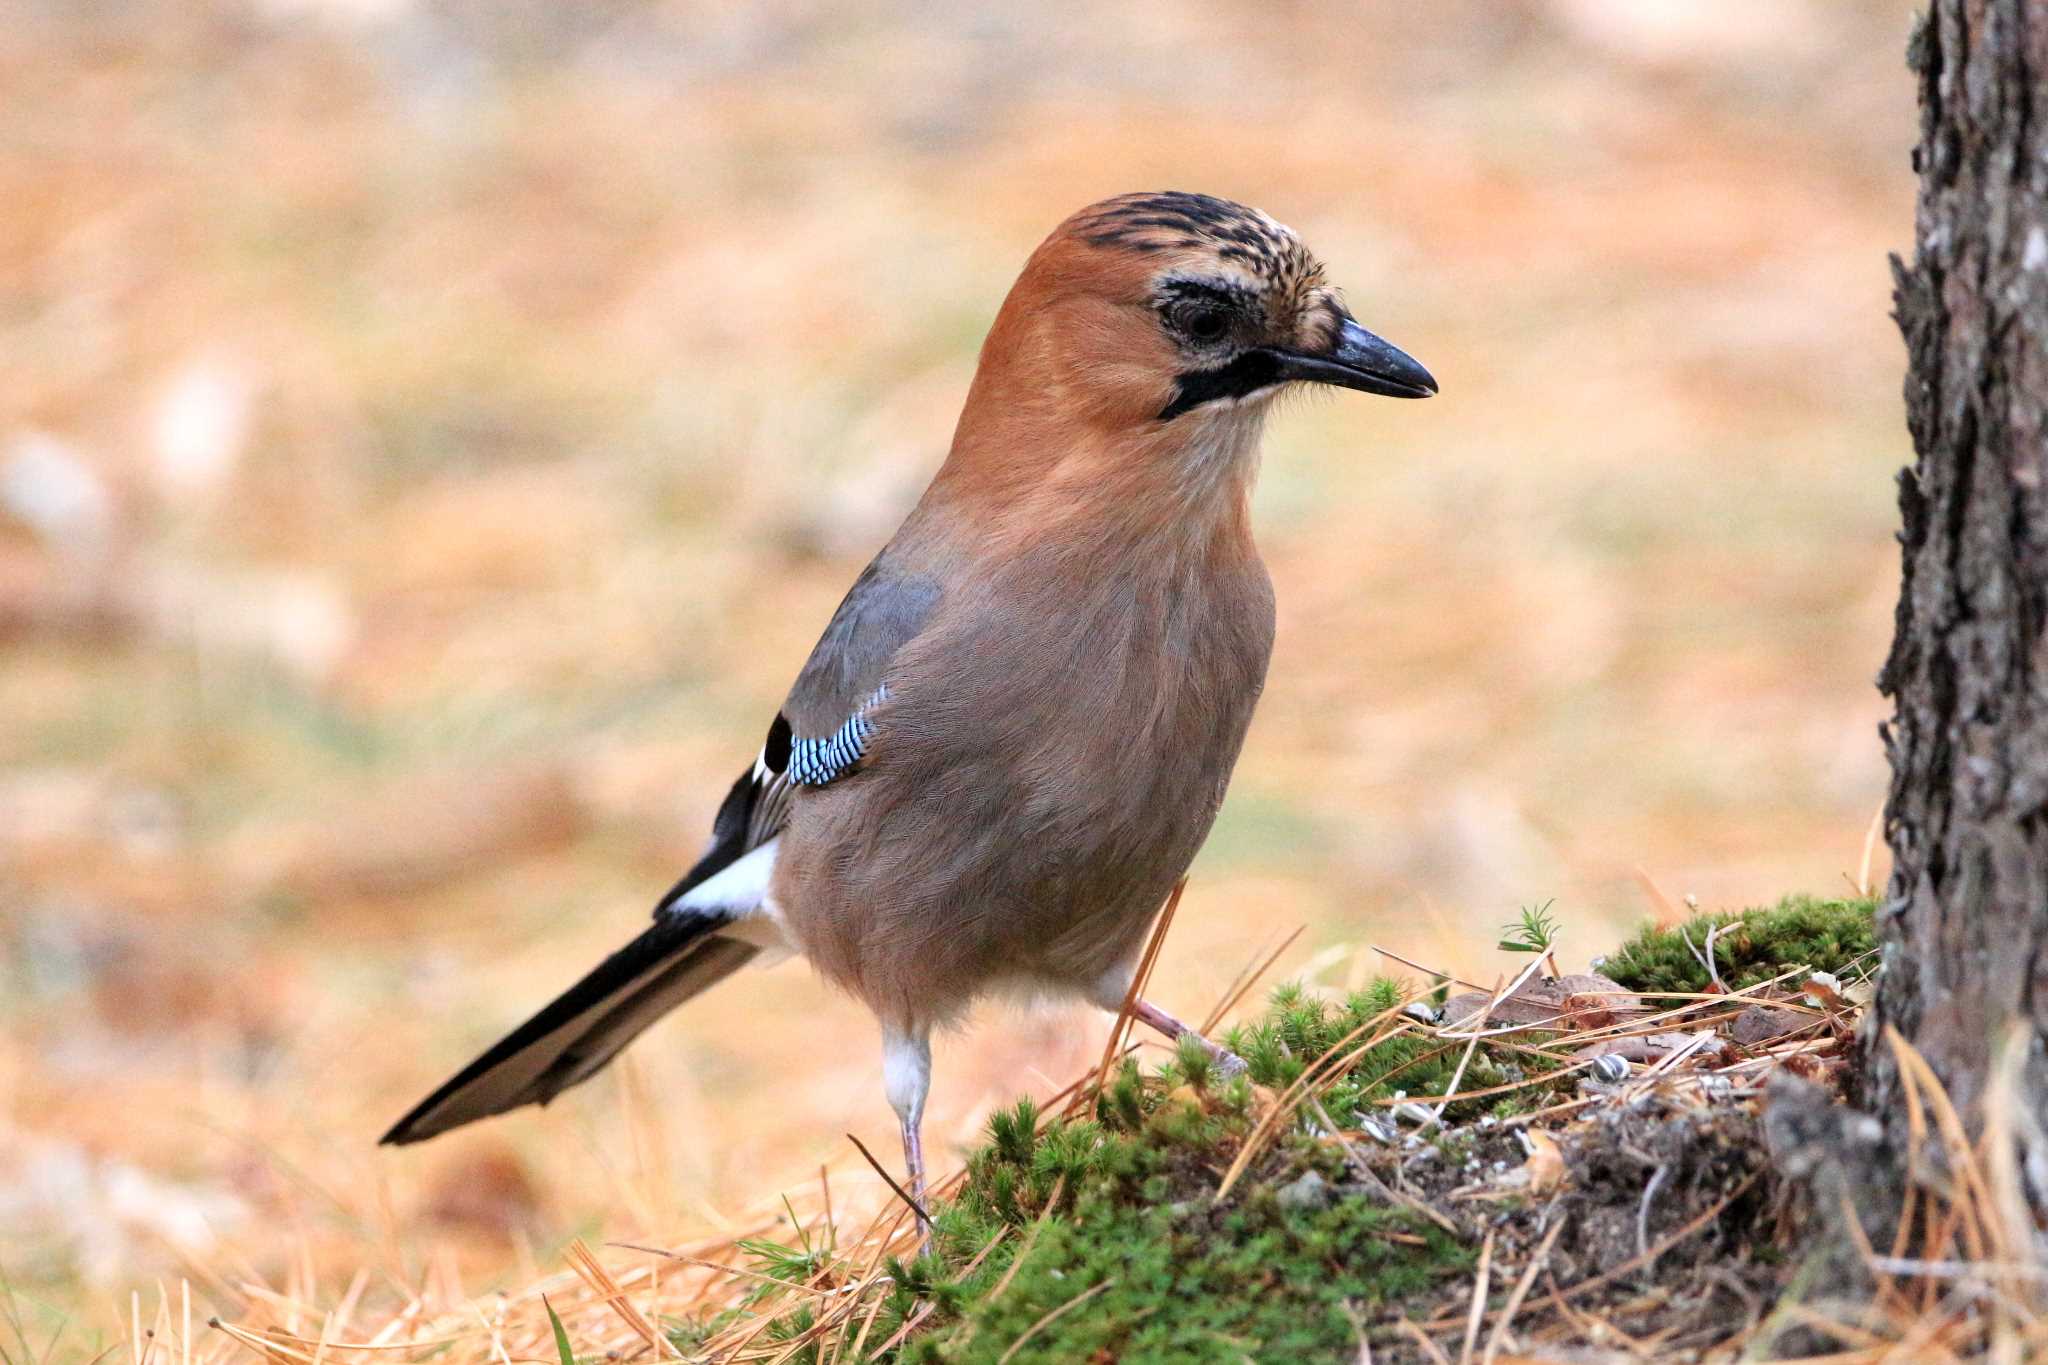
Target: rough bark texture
1966	930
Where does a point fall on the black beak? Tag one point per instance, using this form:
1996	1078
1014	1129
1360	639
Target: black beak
1360	361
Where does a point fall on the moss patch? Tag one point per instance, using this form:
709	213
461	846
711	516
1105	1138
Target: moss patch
1139	1263
1757	944
1096	1235
1125	1252
1298	1028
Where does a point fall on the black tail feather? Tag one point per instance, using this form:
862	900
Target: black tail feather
584	1027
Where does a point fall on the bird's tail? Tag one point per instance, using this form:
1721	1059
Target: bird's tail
573	1037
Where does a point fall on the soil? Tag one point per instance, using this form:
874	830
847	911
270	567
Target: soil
1664	1202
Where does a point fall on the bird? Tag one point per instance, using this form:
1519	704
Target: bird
1017	728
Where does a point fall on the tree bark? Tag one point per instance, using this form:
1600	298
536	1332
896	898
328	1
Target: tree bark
1965	929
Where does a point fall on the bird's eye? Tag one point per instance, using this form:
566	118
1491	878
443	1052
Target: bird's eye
1204	322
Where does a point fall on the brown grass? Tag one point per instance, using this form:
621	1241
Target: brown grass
1976	1291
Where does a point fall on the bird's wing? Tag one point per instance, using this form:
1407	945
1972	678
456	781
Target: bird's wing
700	933
825	725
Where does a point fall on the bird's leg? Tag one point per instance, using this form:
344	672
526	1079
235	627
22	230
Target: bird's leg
907	1077
1113	988
1228	1062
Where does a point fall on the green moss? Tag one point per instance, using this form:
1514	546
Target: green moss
1179	1283
687	1335
1119	1205
1755	945
1168	1273
1127	1255
1298	1028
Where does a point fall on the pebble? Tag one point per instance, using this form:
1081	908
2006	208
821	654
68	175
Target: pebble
1308	1192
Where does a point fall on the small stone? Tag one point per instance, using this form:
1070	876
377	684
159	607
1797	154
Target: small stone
1309	1193
1761	1024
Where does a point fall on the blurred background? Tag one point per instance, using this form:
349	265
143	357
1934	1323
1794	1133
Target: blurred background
433	433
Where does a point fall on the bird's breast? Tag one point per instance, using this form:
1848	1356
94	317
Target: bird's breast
1052	754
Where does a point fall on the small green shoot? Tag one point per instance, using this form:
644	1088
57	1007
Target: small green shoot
1193	1062
12	1315
1439	991
1535	932
561	1334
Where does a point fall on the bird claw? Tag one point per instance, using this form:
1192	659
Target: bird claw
1227	1063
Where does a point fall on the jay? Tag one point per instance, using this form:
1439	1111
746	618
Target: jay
1017	728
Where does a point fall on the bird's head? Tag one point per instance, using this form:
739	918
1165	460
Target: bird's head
1146	309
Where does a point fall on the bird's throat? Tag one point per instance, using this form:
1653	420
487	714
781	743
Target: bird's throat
1218	457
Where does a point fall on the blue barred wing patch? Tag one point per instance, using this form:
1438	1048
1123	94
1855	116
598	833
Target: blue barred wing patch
814	762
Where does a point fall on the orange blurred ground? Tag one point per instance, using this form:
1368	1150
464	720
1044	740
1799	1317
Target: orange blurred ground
431	435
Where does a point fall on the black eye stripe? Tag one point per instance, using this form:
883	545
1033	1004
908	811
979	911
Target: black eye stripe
1248	373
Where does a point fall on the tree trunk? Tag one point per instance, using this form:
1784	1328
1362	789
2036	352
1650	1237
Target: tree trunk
1965	930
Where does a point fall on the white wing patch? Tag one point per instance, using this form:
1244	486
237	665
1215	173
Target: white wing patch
741	891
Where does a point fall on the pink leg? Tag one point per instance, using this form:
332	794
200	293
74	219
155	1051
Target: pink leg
913	1160
907	1076
1145	1012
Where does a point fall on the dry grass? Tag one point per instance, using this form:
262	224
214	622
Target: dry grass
1977	1287
473	411
1976	1290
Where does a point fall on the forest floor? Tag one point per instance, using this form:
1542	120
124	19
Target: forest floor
1594	1165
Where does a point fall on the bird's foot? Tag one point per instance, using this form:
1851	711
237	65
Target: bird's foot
1228	1063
